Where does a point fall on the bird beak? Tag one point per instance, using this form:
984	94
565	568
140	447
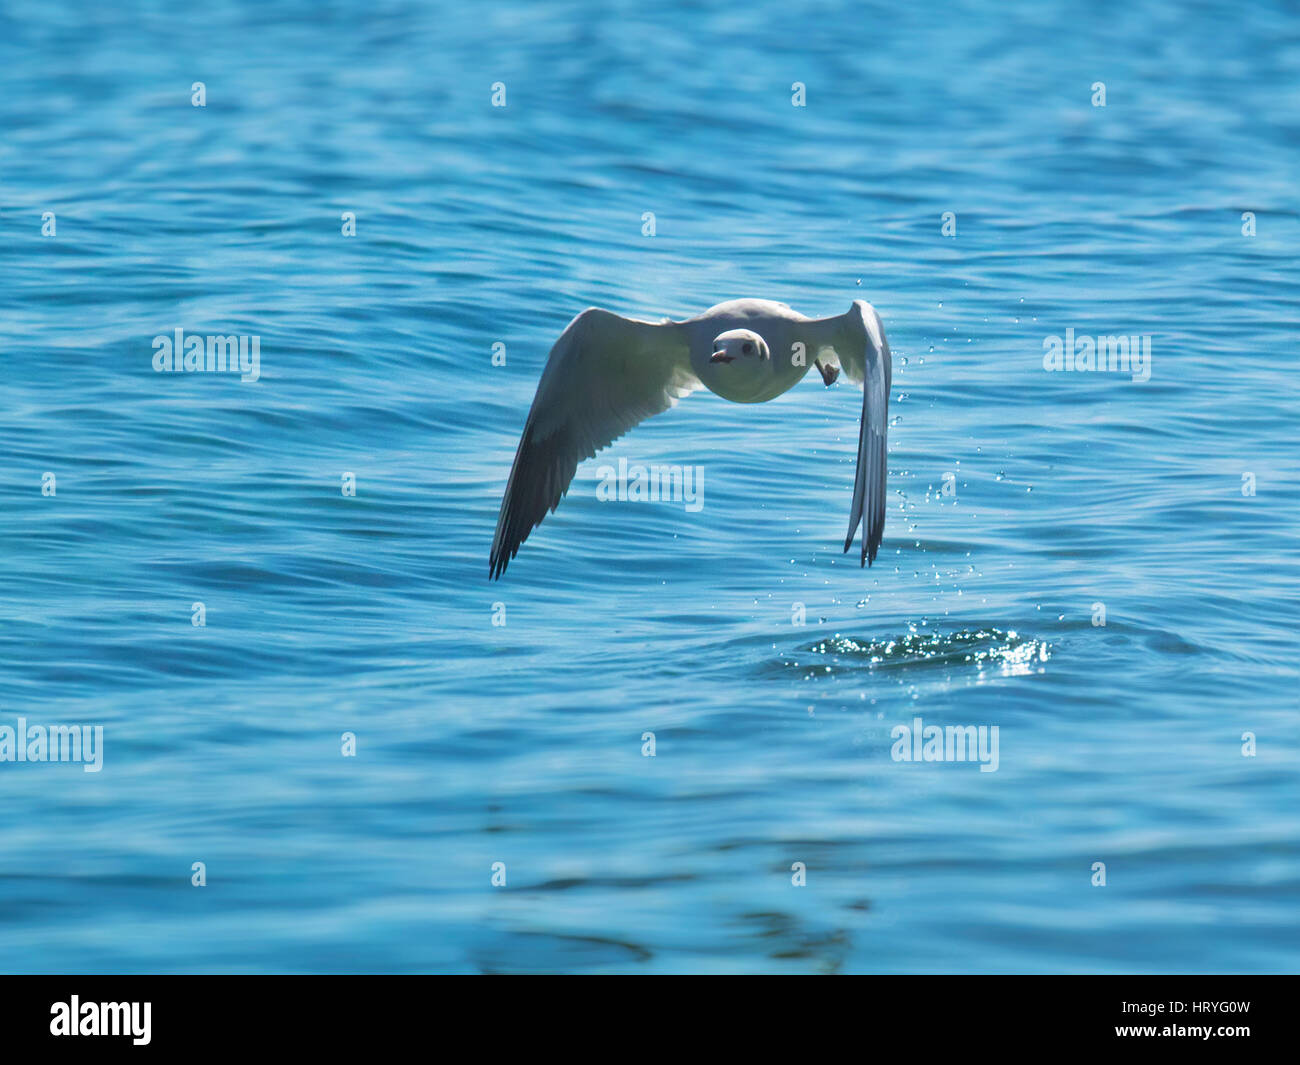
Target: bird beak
721	356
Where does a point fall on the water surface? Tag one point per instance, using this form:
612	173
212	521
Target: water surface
1021	501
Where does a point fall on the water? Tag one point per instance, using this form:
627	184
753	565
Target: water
522	744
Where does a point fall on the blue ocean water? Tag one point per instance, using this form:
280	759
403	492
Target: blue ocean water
1026	507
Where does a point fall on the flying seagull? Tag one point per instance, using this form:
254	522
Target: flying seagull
607	373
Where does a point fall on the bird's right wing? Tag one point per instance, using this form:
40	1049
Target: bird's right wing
604	375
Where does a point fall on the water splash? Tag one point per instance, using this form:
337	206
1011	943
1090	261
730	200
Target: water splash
1008	651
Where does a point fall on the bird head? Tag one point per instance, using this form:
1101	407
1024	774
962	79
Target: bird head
739	345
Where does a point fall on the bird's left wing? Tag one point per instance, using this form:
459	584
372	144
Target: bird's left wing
856	343
604	375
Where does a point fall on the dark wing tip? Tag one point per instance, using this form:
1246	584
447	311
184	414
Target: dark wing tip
540	478
868	508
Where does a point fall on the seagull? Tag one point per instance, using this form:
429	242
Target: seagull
608	373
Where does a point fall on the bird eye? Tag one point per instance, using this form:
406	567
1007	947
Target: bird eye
747	348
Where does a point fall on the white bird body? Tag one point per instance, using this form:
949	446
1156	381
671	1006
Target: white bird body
606	373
